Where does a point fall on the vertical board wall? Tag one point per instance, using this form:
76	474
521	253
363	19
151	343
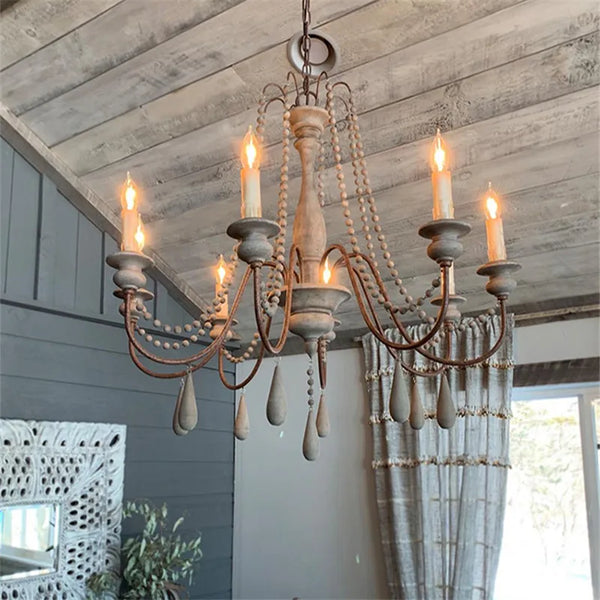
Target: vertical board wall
63	357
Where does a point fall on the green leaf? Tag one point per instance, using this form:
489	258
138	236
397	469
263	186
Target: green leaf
157	555
177	524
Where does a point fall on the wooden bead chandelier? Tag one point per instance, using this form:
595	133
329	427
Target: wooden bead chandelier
299	281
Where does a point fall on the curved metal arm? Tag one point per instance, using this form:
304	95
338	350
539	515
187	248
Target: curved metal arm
281	89
204	356
173	375
239	386
263	332
433	373
395	353
342	84
210	349
441	316
412	344
369	303
275	99
291	77
259	359
445	361
478	359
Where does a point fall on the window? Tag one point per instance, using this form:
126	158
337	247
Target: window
552	485
596	410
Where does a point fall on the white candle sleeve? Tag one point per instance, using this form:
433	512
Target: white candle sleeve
495	239
251	206
130	224
443	208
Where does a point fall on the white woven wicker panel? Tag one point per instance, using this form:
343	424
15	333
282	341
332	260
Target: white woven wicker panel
80	467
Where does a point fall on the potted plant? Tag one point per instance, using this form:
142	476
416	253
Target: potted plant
155	562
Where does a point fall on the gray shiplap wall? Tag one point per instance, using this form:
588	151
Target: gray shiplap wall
63	357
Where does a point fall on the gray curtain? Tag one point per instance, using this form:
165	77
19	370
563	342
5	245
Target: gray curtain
441	493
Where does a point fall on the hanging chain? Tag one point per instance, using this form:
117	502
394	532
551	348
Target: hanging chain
305	49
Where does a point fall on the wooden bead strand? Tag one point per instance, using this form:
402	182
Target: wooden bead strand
310	444
275	277
340	172
247	352
363	190
311	382
175	329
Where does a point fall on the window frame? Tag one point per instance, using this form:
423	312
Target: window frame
585	393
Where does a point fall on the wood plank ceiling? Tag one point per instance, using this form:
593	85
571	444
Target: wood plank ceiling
166	89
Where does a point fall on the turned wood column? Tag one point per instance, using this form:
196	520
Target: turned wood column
310	235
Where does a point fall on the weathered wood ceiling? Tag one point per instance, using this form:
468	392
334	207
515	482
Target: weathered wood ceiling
166	89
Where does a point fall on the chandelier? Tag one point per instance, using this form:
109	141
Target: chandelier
301	282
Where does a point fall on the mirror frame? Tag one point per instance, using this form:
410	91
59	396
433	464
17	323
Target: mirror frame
80	467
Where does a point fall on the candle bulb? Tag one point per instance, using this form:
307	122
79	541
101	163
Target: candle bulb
250	174
129	215
140	238
222	309
326	272
441	180
493	227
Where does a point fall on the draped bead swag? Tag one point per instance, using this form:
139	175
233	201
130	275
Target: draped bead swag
441	492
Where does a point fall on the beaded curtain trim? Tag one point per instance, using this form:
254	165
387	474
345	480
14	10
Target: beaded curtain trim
378	373
460	461
464	411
